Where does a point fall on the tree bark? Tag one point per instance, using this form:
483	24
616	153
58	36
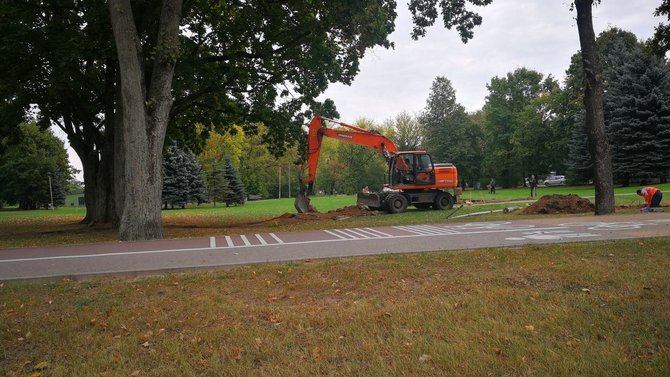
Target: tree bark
595	114
144	116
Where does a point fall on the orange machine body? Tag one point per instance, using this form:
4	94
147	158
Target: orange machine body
413	178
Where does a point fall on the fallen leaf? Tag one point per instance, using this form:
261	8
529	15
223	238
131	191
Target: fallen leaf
135	373
236	352
36	374
530	327
586	290
423	358
145	344
27	362
41	366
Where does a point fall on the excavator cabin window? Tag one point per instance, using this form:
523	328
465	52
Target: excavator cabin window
412	169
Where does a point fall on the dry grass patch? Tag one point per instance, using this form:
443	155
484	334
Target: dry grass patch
574	309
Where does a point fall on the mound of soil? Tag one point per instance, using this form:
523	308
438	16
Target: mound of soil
336	214
560	204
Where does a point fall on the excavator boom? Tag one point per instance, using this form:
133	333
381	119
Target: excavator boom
356	135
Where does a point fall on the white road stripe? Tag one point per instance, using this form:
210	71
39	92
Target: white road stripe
229	241
379	231
245	240
417	230
440	230
212	242
351	236
336	235
359	232
276	238
376	235
261	239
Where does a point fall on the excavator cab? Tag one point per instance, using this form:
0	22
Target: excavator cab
411	169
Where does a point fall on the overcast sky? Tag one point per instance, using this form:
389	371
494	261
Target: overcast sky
536	34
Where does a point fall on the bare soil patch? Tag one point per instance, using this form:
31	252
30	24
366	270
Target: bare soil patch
336	214
550	204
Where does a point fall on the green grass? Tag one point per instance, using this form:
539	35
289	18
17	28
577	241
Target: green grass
61	226
584	309
583	191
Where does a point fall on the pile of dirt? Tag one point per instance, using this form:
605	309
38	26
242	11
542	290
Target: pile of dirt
336	214
560	204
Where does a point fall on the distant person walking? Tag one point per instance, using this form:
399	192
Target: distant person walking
532	182
492	186
652	196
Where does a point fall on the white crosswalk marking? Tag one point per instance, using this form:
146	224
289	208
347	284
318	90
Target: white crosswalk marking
262	241
245	240
346	234
379	232
425	229
229	241
358	232
367	233
276	238
336	235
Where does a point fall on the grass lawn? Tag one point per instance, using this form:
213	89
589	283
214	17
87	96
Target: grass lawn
589	309
61	226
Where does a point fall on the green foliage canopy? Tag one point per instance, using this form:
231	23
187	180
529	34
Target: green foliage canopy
31	159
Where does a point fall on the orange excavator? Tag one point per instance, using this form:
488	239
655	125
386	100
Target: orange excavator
412	177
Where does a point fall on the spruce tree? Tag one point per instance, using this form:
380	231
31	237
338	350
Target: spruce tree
580	166
236	194
217	185
637	112
197	191
175	178
182	182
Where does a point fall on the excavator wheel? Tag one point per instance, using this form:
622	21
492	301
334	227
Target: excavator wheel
396	203
443	200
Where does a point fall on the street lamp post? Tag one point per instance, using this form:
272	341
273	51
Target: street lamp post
51	193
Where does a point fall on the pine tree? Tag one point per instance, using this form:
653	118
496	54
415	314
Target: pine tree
580	166
197	191
182	181
450	135
637	113
217	185
175	178
236	194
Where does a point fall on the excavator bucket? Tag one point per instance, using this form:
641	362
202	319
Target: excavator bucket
371	200
301	203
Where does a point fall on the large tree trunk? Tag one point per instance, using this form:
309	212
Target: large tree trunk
595	115
144	116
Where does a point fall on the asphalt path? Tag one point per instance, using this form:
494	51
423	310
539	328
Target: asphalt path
222	251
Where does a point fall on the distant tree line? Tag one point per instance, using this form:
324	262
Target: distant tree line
531	124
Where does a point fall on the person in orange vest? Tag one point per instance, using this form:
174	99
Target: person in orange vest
652	196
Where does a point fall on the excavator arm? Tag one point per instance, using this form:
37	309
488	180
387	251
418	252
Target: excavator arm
354	135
